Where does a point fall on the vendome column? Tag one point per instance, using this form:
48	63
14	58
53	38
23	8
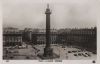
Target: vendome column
48	51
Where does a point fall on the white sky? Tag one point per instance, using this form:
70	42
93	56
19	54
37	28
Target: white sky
65	13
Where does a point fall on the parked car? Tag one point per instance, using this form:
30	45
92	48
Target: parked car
79	54
84	55
69	52
88	54
75	54
74	51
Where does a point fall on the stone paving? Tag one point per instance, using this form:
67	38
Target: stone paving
64	55
32	51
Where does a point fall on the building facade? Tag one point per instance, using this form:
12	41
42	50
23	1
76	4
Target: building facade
84	38
12	36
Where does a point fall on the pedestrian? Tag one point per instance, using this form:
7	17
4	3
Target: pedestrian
26	46
35	52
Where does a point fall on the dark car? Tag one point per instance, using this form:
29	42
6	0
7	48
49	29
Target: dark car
75	54
69	52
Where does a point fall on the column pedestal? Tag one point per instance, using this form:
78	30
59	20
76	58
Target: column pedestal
48	52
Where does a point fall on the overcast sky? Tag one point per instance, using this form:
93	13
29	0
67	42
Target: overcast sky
65	13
